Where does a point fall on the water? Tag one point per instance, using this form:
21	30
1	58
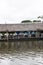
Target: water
21	53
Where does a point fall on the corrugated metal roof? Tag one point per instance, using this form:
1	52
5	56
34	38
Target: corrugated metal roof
21	27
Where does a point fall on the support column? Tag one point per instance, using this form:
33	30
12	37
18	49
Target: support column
37	34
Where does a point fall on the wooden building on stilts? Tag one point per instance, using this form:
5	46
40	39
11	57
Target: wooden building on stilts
21	31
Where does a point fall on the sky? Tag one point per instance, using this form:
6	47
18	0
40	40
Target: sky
14	11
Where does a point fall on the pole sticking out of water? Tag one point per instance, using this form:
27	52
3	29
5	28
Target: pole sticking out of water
5	19
6	27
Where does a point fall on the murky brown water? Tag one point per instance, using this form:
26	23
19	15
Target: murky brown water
21	53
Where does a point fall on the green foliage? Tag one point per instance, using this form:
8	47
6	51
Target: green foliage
36	20
26	21
40	17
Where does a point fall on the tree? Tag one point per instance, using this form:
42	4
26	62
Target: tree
26	21
40	17
36	20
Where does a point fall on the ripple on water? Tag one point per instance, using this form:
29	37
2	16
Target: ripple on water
22	58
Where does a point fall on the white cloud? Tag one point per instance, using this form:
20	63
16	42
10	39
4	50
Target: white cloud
17	10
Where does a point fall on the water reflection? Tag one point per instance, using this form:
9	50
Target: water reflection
21	53
21	45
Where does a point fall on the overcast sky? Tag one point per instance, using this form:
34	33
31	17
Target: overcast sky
14	11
